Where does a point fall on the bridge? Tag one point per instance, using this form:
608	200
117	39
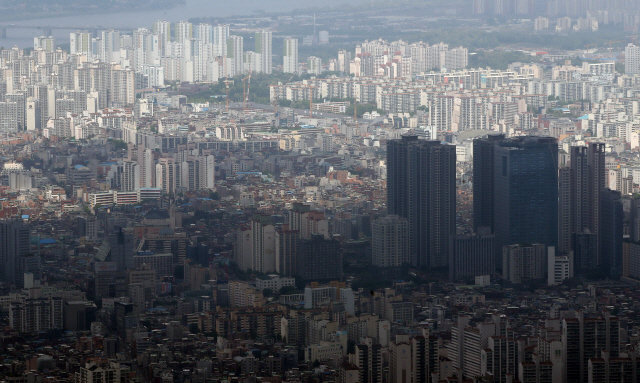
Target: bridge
48	29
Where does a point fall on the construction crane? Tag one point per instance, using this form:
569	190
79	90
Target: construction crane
612	42
590	45
245	95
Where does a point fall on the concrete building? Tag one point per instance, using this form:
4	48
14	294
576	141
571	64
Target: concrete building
471	256
390	241
523	262
559	267
431	225
290	55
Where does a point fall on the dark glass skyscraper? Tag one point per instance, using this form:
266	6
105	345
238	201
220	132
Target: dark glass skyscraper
483	181
421	187
524	188
611	232
15	252
580	189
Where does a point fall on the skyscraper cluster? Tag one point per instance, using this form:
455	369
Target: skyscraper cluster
181	51
401	59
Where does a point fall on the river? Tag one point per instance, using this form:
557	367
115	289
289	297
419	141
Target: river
23	37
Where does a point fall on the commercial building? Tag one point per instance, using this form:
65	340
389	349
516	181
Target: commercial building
525	192
15	252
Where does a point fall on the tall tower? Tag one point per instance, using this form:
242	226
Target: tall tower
526	192
14	248
421	187
184	32
611	231
580	201
483	181
80	43
220	36
235	55
290	55
263	50
110	49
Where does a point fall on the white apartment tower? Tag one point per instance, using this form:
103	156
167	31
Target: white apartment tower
162	28
207	172
110	46
263	50
204	33
184	32
45	43
314	65
290	55
130	176
235	56
632	59
80	43
147	168
220	36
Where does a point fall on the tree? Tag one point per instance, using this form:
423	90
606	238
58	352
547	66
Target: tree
194	328
286	290
267	293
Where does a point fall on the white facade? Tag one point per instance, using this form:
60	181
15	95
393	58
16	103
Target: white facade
632	59
264	61
290	55
559	267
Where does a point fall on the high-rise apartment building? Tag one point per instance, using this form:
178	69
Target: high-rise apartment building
632	59
368	359
290	55
235	56
110	46
263	236
390	241
421	188
314	65
80	43
220	37
263	50
586	182
45	43
183	32
523	262
286	248
586	337
130	176
35	315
